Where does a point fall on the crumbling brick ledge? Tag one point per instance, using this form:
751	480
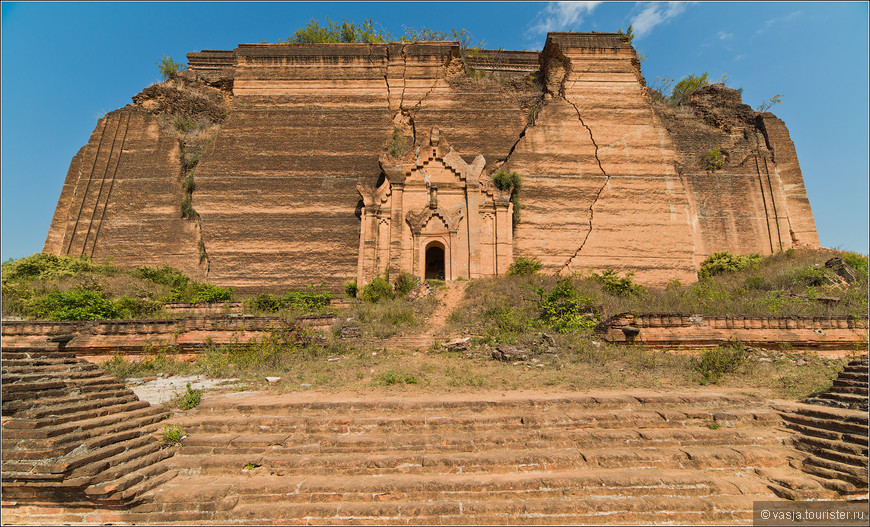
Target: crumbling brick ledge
833	336
131	337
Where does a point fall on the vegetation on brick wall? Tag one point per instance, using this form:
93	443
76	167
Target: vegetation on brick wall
169	67
769	103
370	32
714	159
332	32
397	144
504	180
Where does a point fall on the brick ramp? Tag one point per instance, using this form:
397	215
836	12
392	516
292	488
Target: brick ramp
74	436
484	458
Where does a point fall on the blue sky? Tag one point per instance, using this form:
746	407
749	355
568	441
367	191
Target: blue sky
65	64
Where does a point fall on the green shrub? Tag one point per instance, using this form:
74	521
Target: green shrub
309	299
351	288
714	159
404	283
187	210
74	304
130	307
808	277
191	157
169	67
188	184
168	276
337	32
193	291
185	124
856	261
564	309
612	283
396	146
714	363
756	282
46	265
264	303
767	104
504	180
508	320
377	290
523	266
687	86
189	399
726	262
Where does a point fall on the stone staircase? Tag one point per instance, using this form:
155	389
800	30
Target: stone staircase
479	459
832	429
849	389
74	436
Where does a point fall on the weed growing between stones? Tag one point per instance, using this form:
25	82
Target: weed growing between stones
172	435
189	399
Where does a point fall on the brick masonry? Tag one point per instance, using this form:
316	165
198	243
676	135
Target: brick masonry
108	337
838	336
611	179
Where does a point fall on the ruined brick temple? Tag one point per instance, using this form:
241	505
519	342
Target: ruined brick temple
329	162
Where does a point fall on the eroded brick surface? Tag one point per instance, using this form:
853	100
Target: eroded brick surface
610	178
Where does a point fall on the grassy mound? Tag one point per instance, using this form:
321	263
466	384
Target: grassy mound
795	282
51	287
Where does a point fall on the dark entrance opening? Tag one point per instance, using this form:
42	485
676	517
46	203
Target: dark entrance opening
435	262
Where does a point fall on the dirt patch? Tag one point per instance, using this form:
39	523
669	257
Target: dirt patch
161	389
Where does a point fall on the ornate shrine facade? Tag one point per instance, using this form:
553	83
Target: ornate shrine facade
434	216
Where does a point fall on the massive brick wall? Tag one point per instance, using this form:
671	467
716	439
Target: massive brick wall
121	197
601	190
611	180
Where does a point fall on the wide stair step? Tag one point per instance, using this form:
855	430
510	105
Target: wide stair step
555	496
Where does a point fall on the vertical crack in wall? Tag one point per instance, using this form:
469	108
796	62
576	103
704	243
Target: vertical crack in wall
600	190
386	70
539	104
404	78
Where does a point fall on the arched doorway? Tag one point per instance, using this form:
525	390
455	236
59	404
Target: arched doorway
435	261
